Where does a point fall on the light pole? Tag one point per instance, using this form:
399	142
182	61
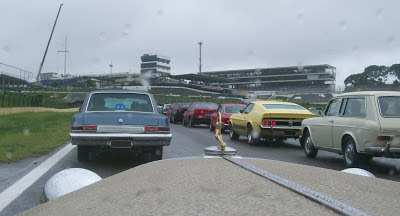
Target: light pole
200	43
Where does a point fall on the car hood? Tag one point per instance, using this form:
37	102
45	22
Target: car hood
194	186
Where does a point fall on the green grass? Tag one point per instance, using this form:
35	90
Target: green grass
32	134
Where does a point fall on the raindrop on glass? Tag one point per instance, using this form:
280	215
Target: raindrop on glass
300	18
144	79
250	52
102	36
379	13
6	49
300	66
355	48
129	78
160	12
26	131
390	41
9	155
343	25
127	29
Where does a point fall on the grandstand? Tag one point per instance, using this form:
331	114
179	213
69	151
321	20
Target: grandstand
309	78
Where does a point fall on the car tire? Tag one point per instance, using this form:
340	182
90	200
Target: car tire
191	122
309	149
250	138
83	153
232	134
174	119
212	128
184	122
350	155
157	153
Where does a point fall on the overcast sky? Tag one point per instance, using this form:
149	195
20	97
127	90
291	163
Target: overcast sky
236	34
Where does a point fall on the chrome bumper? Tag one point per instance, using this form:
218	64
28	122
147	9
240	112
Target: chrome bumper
386	151
280	127
105	138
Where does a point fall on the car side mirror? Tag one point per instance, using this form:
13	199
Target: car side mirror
241	111
320	113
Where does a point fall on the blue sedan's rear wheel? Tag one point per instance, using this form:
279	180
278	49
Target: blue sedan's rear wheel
83	153
157	153
184	122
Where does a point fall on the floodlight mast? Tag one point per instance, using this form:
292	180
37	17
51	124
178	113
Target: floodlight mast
200	43
48	43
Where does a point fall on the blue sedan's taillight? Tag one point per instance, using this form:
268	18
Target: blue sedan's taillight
77	128
90	128
163	129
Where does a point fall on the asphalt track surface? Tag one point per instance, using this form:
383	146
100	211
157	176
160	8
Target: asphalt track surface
186	142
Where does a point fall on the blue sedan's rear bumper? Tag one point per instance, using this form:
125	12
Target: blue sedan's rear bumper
104	139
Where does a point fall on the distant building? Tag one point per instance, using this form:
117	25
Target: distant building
157	65
48	76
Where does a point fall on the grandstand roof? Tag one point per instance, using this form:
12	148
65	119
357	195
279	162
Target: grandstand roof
321	66
200	77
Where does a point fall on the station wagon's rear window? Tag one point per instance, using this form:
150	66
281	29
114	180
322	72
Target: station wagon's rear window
283	106
120	102
389	106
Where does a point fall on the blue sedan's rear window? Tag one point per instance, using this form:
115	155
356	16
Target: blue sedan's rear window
120	102
283	106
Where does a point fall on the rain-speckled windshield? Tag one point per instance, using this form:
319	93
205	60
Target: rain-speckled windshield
102	89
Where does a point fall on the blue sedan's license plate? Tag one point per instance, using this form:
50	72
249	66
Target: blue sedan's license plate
121	143
208	114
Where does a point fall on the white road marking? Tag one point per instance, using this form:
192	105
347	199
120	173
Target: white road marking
15	190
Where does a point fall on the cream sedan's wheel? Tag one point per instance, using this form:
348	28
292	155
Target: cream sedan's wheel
350	154
309	149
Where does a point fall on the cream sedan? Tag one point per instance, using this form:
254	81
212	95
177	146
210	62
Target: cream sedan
359	125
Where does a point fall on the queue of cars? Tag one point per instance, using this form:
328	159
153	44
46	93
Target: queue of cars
358	125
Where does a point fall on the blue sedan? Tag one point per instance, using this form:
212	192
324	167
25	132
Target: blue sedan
116	119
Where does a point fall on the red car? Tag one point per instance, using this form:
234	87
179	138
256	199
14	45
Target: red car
226	111
169	110
199	113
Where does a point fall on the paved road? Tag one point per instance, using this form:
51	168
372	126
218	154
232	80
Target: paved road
186	142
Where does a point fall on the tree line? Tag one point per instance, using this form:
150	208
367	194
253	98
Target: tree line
375	76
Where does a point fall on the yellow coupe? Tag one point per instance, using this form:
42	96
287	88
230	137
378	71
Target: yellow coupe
271	120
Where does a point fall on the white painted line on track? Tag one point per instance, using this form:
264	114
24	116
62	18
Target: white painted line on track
11	193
